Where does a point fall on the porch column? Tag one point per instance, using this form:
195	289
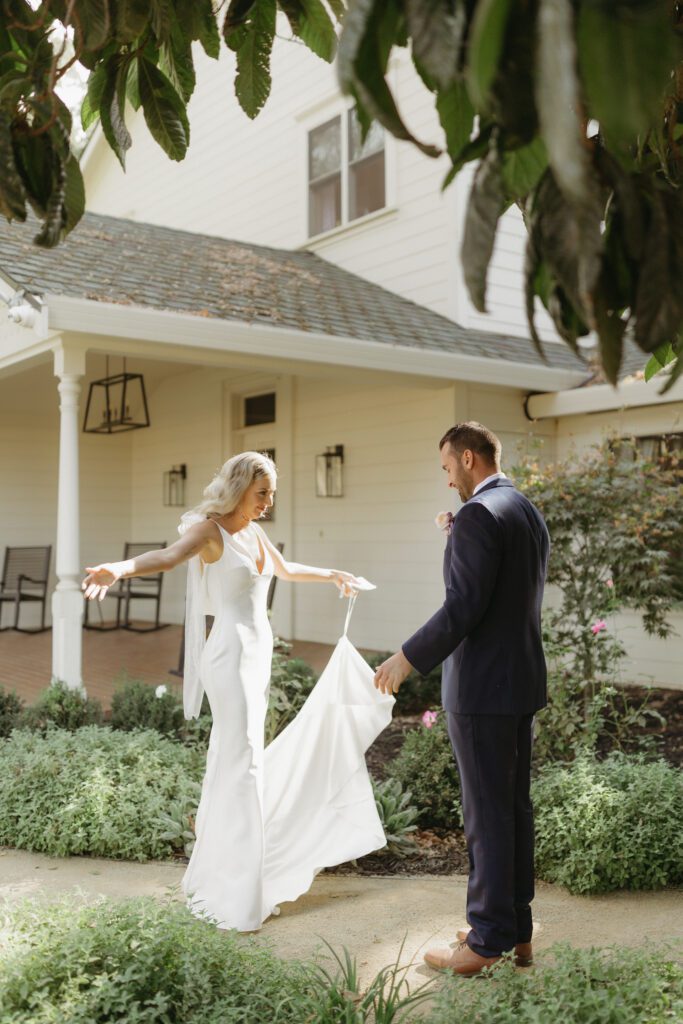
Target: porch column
67	600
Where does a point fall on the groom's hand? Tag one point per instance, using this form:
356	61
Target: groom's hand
392	672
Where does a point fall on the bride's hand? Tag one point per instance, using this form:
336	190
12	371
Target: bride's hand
99	579
346	583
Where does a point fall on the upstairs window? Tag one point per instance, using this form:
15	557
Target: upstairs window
346	178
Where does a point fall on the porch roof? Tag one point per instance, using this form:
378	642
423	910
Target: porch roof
128	263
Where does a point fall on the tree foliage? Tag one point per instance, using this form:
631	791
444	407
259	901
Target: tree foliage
615	525
573	108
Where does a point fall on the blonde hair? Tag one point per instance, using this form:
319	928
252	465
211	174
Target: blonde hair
225	491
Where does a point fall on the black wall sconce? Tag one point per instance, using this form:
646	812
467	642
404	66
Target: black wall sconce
174	485
329	481
115	396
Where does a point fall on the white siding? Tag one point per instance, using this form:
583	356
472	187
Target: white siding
186	428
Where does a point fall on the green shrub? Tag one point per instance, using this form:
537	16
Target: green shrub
10	709
152	962
571	986
60	706
137	705
291	681
426	767
141	961
418	692
612	824
92	791
176	824
397	814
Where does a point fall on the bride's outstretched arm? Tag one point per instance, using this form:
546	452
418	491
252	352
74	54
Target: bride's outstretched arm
296	572
200	539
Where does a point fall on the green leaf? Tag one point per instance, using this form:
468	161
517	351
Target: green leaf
659	360
659	295
557	238
485	206
92	25
133	86
112	108
473	150
523	168
160	19
456	115
610	329
164	110
74	194
640	41
206	28
310	21
252	41
369	32
558	101
132	17
51	231
90	109
176	60
338	8
486	39
12	191
437	29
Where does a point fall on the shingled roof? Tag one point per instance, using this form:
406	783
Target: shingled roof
109	259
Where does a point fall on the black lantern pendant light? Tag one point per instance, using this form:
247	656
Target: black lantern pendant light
116	403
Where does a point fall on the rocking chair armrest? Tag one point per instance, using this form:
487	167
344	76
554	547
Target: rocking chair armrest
21	577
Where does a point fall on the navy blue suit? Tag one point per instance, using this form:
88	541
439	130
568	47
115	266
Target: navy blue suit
488	636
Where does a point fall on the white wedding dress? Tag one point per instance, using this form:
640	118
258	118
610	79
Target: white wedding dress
270	820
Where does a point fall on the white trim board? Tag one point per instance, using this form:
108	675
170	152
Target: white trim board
256	340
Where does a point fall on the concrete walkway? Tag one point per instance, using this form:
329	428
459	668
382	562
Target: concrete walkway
370	916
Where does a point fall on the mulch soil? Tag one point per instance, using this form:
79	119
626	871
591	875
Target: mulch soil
667	735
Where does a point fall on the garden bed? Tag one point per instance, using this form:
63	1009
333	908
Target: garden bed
668	735
439	852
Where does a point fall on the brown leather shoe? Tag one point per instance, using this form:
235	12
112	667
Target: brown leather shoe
524	956
462	960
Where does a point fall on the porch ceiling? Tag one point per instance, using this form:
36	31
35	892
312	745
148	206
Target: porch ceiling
112	261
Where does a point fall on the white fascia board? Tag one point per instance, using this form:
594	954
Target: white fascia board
232	336
602	398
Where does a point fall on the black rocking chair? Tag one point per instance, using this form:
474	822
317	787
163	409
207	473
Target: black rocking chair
178	671
137	588
24	578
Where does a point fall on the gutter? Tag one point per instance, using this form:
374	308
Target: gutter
173	329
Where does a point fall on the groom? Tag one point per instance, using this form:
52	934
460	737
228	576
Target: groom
488	635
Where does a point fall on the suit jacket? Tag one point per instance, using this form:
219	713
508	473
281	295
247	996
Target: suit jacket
488	631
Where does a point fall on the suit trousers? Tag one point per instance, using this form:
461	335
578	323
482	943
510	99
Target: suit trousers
493	755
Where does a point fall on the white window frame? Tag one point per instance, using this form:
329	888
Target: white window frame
314	117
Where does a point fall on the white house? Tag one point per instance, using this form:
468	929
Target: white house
281	260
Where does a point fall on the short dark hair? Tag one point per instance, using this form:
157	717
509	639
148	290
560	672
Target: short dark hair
476	437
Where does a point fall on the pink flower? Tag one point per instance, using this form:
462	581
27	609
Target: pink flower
444	521
429	718
598	627
609	583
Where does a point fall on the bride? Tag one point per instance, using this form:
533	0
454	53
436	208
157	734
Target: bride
268	820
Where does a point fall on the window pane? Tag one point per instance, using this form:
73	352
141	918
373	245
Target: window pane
374	142
324	205
259	409
324	150
366	186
